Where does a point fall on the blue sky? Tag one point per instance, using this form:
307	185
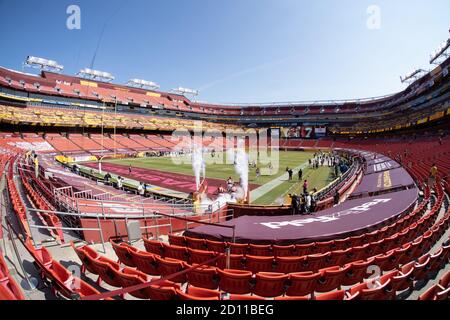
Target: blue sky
234	50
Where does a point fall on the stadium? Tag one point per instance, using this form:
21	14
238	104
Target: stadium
114	190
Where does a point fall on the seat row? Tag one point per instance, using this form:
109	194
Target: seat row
353	273
312	262
15	199
301	285
47	218
63	283
9	290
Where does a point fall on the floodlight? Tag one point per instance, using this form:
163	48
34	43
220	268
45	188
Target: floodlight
440	52
95	75
43	64
139	83
412	76
183	91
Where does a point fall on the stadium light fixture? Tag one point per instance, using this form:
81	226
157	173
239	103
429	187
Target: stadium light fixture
184	91
95	75
43	64
440	52
143	84
412	76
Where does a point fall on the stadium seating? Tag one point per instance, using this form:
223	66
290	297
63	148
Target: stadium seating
9	290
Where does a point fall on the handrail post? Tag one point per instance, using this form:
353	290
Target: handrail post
234	234
28	222
155	224
228	253
101	233
31	285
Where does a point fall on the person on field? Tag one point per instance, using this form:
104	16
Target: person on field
336	197
141	189
229	183
305	186
258	173
300	174
307	202
294	204
119	183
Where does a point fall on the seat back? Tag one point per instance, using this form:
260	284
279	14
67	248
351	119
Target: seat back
269	284
235	281
145	262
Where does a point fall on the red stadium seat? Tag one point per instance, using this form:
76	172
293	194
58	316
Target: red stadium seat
334	295
176	252
356	273
203	277
302	283
154	246
358	252
177	240
193	293
202	256
169	266
104	268
194	243
163	291
289	264
436	261
331	278
87	259
445	280
387	261
85	290
244	297
338	257
403	279
443	295
129	277
432	293
324	246
238	248
405	252
122	251
260	250
357	240
341	244
270	284
235	281
421	268
314	262
304	249
286	298
237	261
377	291
91	252
259	264
145	262
283	251
216	246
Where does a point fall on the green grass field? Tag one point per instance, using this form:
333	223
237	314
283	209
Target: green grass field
221	170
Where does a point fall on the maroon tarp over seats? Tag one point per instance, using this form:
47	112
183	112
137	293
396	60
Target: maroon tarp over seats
340	221
384	180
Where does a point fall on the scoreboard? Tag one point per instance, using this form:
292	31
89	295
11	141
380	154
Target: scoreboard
304	132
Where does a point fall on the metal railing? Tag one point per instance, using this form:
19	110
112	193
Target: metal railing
207	220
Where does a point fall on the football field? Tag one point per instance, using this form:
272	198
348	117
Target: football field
175	172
